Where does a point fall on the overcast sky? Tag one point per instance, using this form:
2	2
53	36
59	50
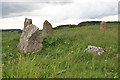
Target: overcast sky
57	12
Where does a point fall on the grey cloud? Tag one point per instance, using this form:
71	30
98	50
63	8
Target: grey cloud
100	10
17	7
37	1
119	11
89	9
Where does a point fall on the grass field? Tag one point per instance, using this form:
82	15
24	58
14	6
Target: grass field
0	54
63	54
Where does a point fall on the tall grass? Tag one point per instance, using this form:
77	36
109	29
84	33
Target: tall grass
0	55
64	55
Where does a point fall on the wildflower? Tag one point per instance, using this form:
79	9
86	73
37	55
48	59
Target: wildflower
33	52
8	62
2	65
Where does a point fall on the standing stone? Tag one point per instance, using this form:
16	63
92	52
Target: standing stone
27	22
47	28
103	25
30	40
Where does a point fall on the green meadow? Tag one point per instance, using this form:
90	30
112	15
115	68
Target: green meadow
63	54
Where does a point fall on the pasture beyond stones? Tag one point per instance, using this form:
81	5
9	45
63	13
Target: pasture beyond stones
63	54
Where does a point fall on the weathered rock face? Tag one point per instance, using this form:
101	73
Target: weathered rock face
47	28
103	25
27	22
118	55
30	40
94	49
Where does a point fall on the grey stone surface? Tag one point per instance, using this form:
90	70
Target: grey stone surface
27	22
94	49
103	25
30	40
47	28
118	55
